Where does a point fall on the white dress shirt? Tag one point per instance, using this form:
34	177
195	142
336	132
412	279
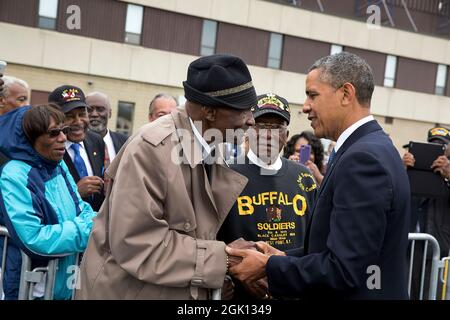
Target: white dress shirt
206	148
348	132
257	161
110	145
83	155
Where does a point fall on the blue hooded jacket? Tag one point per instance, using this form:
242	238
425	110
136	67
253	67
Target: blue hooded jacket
41	208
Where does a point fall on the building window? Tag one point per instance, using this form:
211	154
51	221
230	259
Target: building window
125	117
48	11
389	72
209	34
275	49
335	48
441	77
389	120
39	97
133	24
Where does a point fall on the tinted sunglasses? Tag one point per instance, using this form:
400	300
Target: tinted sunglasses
55	132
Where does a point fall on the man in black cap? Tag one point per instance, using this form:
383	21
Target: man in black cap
431	214
85	150
441	165
275	204
169	191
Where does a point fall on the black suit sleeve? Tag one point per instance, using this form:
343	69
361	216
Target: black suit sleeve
297	252
359	204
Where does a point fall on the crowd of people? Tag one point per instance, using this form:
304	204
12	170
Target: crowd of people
168	214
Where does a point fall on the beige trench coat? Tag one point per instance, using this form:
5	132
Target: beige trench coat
154	237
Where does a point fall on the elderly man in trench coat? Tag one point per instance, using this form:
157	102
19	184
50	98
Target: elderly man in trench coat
154	237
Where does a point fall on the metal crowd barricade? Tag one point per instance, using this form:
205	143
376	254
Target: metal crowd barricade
4	234
445	277
436	264
29	278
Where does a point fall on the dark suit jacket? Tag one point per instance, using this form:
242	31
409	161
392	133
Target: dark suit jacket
3	159
95	149
361	219
118	140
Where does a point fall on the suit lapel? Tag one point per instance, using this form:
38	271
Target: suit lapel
226	183
73	171
226	187
365	129
94	156
192	152
115	141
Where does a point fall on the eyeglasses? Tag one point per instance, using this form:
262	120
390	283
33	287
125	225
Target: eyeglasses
55	132
271	126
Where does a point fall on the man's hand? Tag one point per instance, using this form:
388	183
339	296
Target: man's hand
252	267
408	159
258	289
89	185
268	249
442	166
239	244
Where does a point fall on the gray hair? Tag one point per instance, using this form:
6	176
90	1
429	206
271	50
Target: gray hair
160	95
9	81
337	69
101	95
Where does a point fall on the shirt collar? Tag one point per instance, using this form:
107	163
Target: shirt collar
69	143
206	148
348	132
257	161
107	135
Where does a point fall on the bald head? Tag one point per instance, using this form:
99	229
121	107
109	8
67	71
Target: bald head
99	112
161	105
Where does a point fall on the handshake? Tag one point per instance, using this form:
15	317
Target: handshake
246	262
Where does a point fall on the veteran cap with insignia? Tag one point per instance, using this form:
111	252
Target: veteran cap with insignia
272	103
68	97
220	81
439	134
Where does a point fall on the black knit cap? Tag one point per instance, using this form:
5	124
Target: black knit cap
68	98
274	104
220	81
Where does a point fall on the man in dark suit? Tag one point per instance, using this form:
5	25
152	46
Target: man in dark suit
356	240
99	113
85	150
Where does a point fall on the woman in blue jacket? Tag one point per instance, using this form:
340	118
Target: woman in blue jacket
39	201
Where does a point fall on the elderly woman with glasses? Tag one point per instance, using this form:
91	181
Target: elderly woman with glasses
39	201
